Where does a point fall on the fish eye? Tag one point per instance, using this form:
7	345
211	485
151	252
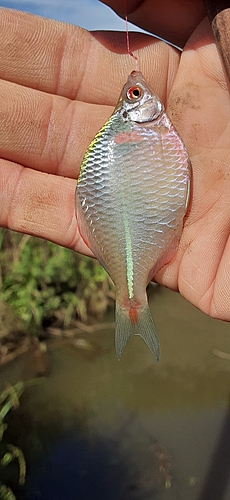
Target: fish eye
134	93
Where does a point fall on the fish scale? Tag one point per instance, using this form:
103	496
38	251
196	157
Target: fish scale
131	198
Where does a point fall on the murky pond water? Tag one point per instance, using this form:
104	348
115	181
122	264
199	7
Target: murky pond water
96	428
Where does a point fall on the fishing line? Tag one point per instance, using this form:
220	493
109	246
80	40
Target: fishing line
127	38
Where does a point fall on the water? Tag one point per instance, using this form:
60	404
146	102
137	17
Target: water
97	428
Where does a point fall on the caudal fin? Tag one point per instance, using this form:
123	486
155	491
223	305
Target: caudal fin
143	326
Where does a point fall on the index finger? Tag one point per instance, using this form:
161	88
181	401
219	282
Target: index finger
63	59
48	132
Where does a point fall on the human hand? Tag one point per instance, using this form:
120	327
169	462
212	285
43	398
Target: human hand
172	20
44	67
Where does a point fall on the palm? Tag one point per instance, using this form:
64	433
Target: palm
47	131
200	109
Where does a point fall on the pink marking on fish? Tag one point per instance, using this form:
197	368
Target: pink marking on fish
133	316
132	136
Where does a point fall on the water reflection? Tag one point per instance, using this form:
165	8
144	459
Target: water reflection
97	428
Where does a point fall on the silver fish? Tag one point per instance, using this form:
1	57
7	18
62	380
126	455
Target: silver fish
131	198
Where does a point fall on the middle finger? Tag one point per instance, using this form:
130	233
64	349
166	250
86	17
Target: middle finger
46	132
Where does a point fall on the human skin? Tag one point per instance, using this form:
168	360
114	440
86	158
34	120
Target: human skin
59	84
173	20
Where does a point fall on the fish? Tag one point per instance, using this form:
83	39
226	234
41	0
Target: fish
131	198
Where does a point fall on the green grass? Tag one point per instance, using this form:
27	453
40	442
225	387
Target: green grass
40	281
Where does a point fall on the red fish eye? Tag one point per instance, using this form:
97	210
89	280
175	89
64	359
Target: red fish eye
133	93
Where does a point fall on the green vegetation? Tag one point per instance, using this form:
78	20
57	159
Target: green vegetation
9	400
40	284
40	281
